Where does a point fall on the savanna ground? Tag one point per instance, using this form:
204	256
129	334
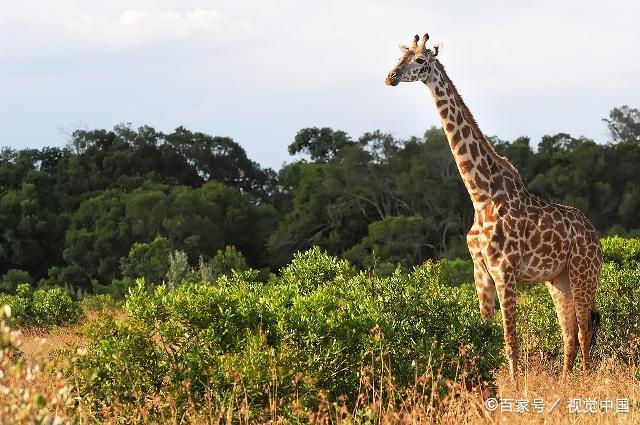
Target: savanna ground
318	343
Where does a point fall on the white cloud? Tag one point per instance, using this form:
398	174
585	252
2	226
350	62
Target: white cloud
140	27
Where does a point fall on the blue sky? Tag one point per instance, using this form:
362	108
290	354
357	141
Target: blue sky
260	70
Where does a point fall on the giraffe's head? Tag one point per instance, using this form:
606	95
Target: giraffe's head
415	64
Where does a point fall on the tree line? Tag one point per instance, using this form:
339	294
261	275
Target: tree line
84	213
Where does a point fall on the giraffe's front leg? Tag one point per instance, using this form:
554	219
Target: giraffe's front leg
485	287
486	290
505	281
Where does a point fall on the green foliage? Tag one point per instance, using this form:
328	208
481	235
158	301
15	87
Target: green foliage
457	271
20	308
12	279
99	302
321	144
179	269
91	212
43	307
147	260
622	251
537	323
226	261
106	227
397	240
314	268
316	327
624	124
117	289
24	290
618	301
53	307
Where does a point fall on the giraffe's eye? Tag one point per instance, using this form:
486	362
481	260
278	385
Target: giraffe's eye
420	61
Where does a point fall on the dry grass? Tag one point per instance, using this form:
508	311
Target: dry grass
607	382
32	392
31	389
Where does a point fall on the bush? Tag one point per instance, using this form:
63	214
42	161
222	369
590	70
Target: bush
618	301
622	251
458	271
19	308
99	302
44	307
53	307
117	289
537	323
313	268
317	327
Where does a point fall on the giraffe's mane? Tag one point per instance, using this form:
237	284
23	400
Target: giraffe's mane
508	166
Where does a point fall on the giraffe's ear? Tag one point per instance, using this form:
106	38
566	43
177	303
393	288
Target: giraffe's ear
437	49
403	48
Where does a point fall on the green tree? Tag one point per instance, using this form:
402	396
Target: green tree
624	124
321	144
147	260
397	240
223	160
32	230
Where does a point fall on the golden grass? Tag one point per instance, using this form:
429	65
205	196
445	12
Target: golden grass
31	391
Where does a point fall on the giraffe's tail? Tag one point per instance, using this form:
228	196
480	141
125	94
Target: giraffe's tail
595	323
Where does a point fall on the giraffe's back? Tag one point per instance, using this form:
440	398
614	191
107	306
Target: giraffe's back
555	235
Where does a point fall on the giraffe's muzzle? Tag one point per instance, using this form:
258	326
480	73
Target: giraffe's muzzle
392	79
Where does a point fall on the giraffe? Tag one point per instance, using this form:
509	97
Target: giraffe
516	236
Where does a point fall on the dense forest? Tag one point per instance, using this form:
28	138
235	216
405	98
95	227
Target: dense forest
84	215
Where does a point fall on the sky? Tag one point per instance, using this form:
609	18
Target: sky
260	70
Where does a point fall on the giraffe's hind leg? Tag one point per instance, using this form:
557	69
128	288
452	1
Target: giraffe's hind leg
584	271
560	289
584	298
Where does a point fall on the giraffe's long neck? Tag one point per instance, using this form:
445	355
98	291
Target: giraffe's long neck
486	175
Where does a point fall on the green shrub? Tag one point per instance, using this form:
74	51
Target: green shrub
537	323
618	301
313	268
43	307
320	320
458	271
53	307
19	308
622	251
117	289
98	302
179	269
24	290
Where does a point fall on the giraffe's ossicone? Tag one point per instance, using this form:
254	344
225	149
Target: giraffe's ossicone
516	236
